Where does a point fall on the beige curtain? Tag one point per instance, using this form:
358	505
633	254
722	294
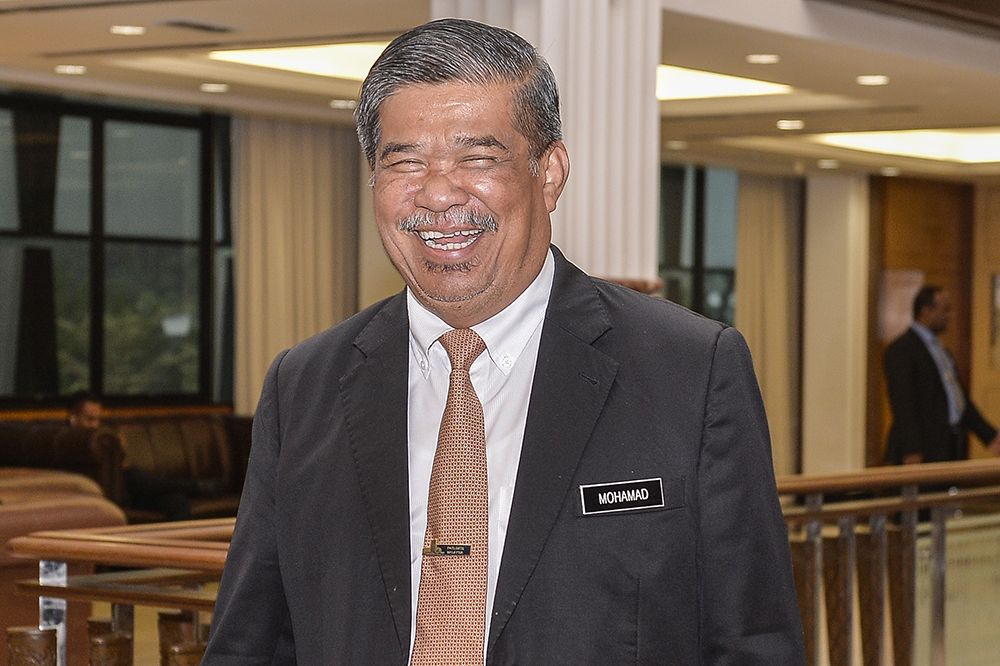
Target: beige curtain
295	239
767	301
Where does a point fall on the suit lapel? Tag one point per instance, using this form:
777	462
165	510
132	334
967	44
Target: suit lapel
571	384
374	392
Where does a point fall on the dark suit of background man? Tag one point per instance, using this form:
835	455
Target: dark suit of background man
584	383
931	412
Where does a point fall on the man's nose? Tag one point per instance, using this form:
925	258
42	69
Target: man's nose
440	191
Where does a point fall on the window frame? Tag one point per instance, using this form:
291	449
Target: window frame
213	159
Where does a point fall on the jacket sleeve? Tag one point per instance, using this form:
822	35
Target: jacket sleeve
251	623
977	423
749	612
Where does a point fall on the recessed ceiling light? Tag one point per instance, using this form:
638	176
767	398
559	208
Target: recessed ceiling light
790	124
673	83
677	145
344	104
72	70
979	145
872	80
214	87
341	61
889	171
132	30
763	58
828	164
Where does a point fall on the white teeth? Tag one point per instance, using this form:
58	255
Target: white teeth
430	238
448	246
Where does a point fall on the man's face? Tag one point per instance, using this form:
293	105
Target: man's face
462	212
87	416
938	315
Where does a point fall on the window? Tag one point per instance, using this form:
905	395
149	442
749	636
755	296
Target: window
114	276
698	238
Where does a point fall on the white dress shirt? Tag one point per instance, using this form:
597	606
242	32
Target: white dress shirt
502	377
946	368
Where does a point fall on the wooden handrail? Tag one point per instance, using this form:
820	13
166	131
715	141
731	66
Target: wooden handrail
887	505
962	473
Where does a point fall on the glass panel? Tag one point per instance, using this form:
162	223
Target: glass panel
151	319
44	317
720	295
8	173
721	192
152	181
73	176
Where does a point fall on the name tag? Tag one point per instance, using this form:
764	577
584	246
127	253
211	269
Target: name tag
621	496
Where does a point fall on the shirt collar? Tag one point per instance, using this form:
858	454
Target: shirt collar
926	334
506	333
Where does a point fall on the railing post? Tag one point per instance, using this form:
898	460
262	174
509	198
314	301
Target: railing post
903	586
838	574
814	539
939	566
872	567
52	611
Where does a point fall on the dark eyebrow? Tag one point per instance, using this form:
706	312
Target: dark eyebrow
487	141
390	148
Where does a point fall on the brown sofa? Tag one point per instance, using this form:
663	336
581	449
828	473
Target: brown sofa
34	500
205	455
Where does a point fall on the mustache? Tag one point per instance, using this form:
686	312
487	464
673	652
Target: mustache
458	217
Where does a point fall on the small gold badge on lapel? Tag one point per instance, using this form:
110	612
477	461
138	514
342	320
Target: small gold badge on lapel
436	548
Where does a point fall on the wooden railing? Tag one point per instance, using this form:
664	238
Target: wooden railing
858	532
854	540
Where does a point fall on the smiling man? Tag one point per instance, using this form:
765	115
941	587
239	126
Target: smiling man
511	461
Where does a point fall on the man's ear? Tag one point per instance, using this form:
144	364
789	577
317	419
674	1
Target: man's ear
555	172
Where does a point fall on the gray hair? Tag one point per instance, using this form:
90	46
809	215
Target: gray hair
452	49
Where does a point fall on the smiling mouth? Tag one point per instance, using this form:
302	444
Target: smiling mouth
455	240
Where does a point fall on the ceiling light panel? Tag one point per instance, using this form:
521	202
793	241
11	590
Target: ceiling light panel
340	61
129	30
763	58
790	124
873	80
675	83
965	146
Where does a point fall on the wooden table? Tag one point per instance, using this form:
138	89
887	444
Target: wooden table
167	565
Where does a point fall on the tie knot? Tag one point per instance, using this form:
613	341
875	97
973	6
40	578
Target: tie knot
463	346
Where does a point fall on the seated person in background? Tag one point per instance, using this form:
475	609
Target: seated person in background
147	490
85	410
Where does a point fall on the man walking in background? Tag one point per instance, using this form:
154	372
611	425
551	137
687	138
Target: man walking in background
931	411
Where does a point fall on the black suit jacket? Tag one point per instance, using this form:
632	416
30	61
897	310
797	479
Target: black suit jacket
626	387
919	405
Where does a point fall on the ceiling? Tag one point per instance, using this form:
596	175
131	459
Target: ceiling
932	85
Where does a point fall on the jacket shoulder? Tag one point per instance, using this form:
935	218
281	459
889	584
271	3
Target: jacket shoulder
334	345
636	314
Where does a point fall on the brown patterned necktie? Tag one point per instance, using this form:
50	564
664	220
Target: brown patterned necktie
451	605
